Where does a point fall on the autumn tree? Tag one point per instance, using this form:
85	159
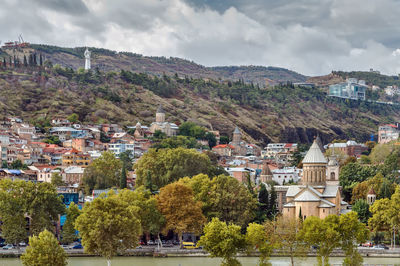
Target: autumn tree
182	213
68	230
353	173
168	165
104	172
223	240
44	250
285	232
108	225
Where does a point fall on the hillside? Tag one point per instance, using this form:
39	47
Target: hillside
107	60
282	113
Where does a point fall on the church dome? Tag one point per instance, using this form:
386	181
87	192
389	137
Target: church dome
138	124
314	155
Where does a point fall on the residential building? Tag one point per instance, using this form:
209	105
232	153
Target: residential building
286	175
280	152
350	148
73	175
351	89
74	157
120	146
387	133
224	149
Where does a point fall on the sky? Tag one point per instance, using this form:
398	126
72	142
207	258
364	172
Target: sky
312	37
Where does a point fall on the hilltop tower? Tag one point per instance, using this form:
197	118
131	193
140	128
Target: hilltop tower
160	115
236	137
314	166
87	59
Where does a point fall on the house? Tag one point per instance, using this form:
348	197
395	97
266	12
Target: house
224	149
286	175
73	175
280	152
387	133
120	146
350	148
241	174
75	157
60	122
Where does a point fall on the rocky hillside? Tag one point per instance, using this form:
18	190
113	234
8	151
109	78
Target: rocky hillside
281	113
107	60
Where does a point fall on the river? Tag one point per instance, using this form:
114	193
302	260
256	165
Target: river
193	261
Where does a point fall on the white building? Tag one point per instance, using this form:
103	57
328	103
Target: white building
286	175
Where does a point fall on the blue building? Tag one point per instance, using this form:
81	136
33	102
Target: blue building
351	89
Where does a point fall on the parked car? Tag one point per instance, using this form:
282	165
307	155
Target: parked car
380	247
8	246
367	244
151	242
175	242
188	245
22	244
141	242
78	246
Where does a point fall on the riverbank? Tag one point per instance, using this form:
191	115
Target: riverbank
177	252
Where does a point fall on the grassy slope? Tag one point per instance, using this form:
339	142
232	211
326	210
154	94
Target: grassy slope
285	113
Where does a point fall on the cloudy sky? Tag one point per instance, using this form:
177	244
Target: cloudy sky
312	37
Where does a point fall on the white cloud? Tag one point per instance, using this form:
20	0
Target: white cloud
311	37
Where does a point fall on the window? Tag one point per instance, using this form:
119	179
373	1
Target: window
332	175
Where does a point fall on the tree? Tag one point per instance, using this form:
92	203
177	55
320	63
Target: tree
210	137
25	61
17	164
126	158
108	226
226	198
38	202
222	240
168	165
285	233
68	230
272	211
353	173
182	213
73	118
190	129
44	250
380	152
258	239
122	183
151	220
263	203
176	142
322	233
361	207
352	232
104	172
224	140
56	179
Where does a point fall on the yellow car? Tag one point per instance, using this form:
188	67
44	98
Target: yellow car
188	245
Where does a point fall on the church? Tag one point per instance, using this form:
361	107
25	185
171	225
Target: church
170	129
316	196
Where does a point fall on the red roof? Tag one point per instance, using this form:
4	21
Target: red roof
288	145
392	125
222	146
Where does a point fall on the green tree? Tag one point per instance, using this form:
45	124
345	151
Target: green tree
68	230
226	198
168	165
361	207
224	140
222	240
150	218
56	179
190	129
17	164
263	203
104	172
44	250
122	182
176	142
258	239
352	232
272	211
108	226
212	140
351	174
182	213
126	158
73	118
380	152
322	233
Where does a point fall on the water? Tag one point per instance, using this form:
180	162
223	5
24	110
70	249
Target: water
194	261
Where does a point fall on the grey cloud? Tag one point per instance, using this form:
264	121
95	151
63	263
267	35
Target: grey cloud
72	7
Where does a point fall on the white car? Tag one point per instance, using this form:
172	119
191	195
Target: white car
8	246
